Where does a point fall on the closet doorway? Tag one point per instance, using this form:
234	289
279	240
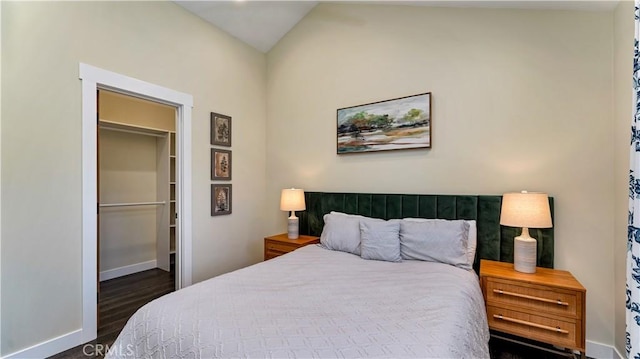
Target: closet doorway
93	79
136	185
137	225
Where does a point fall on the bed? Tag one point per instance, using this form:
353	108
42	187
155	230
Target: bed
320	302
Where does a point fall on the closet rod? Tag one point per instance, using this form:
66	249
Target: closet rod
137	132
133	204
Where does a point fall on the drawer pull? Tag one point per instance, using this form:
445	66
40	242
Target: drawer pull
535	325
558	302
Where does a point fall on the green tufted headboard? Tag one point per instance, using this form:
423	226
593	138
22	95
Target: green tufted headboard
494	241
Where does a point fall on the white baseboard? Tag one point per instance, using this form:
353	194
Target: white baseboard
67	341
602	351
49	347
126	270
617	354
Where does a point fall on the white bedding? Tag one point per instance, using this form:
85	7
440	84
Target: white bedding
316	303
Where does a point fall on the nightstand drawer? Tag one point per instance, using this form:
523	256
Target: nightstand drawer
280	247
552	331
540	299
280	244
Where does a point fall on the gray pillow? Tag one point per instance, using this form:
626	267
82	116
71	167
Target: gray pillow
472	240
435	241
341	232
380	240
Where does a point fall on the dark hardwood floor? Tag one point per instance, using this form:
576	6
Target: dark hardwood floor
119	299
501	347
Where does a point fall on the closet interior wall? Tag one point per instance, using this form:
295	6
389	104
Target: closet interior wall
136	185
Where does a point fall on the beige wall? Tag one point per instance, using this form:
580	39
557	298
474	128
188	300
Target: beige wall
158	42
623	108
521	100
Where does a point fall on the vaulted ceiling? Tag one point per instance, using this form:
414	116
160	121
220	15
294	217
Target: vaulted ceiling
262	24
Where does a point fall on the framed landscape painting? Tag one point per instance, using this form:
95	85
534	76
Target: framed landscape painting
397	124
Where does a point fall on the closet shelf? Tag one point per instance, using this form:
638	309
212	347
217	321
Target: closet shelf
124	127
133	204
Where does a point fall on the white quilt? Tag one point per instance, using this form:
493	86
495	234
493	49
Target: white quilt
316	303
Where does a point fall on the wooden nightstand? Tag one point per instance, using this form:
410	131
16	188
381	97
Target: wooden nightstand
547	306
279	244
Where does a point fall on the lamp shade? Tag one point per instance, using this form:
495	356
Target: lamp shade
292	199
526	209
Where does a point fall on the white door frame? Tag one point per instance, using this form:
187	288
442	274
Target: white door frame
94	78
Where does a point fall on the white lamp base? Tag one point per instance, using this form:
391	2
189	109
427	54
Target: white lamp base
524	252
292	228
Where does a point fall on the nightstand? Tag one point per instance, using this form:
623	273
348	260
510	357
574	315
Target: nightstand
279	244
547	306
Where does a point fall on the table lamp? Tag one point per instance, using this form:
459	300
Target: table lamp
292	199
527	210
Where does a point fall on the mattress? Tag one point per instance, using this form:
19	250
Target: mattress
316	303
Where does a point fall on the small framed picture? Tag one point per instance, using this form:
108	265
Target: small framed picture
220	130
220	164
220	199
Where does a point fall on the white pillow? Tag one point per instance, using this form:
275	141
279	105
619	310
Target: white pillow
380	240
435	241
341	232
472	242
